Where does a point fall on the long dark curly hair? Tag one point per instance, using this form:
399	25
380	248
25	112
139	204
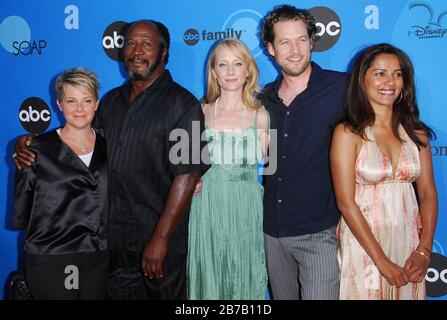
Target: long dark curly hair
359	112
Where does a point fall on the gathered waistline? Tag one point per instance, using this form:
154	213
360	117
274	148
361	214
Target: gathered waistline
239	173
383	183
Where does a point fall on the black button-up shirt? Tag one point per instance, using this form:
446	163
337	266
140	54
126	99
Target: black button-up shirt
299	198
138	145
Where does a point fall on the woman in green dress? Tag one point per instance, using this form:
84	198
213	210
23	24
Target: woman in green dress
226	247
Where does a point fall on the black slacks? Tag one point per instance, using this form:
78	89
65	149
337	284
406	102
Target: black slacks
77	276
127	281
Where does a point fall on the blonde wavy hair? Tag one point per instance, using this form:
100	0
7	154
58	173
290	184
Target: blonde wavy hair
251	85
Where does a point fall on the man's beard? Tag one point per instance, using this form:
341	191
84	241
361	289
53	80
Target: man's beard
143	75
294	71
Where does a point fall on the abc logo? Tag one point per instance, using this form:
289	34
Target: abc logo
436	278
34	115
328	27
113	40
191	37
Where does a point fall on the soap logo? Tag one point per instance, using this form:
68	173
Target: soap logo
113	40
27	48
328	28
433	28
436	278
15	37
34	115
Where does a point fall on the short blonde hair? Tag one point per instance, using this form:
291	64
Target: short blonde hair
78	77
251	85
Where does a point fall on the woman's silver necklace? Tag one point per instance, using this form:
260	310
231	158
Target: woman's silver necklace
83	147
238	138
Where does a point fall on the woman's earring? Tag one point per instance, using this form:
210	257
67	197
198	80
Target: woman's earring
400	98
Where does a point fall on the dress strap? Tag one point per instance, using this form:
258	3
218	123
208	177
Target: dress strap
255	126
369	134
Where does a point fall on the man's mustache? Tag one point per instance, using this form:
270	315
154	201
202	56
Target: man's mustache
139	59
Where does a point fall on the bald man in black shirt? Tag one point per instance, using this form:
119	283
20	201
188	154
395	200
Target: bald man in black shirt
149	195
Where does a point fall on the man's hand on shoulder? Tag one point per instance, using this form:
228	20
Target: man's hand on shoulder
23	156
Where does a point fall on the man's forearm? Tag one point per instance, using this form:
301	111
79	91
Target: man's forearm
179	197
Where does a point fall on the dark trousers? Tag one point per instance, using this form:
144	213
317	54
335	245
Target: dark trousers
77	276
127	281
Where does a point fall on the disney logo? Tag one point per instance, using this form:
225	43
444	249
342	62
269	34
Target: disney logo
433	29
431	19
428	32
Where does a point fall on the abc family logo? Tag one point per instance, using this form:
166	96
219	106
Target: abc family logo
192	36
113	40
34	115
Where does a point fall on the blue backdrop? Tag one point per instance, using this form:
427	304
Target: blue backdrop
38	39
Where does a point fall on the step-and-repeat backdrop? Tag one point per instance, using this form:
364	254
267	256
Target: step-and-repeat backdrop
39	39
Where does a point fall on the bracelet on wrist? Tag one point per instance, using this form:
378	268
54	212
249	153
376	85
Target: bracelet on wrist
424	247
423	254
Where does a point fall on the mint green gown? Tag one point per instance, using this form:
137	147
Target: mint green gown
226	258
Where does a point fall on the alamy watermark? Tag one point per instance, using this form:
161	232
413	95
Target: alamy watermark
72	280
186	148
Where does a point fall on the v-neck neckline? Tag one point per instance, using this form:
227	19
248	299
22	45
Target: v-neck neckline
393	168
74	154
